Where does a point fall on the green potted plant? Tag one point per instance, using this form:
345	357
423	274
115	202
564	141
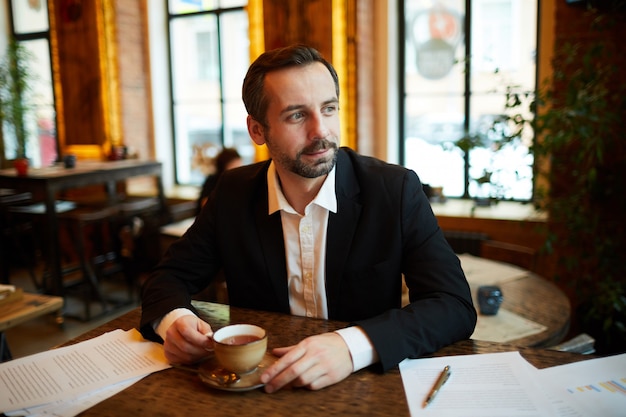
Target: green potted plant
16	79
579	131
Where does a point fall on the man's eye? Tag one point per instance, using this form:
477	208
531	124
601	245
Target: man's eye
296	116
330	109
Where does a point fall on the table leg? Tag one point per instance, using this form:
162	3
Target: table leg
55	286
111	190
161	195
5	352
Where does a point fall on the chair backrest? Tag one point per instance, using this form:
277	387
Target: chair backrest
465	242
519	255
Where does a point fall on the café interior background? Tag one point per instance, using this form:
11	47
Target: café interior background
113	89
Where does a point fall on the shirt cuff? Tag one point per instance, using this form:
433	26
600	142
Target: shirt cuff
360	347
161	326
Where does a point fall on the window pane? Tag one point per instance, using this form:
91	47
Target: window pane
233	3
500	169
30	16
235	62
434	82
191	6
207	72
196	93
428	143
194	6
503	56
41	146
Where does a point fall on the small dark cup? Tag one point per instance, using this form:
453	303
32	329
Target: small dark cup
489	299
69	161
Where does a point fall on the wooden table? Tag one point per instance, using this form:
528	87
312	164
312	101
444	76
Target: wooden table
538	300
365	393
28	307
525	294
48	182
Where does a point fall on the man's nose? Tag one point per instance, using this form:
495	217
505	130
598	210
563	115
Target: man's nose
318	127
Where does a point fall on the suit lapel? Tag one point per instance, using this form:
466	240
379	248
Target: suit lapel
273	246
341	228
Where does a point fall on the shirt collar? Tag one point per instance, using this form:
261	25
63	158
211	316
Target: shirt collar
325	198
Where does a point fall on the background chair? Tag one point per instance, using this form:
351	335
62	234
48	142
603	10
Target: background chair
519	255
465	242
14	235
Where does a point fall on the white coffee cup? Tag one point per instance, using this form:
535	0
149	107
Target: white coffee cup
240	348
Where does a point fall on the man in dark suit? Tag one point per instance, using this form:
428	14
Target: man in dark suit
318	231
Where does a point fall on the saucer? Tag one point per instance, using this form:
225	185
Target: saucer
246	382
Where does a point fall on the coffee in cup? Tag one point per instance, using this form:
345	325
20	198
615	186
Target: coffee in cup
240	348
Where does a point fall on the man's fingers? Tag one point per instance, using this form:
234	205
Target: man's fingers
314	363
186	340
287	358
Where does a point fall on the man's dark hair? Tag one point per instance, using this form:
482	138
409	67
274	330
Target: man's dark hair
253	94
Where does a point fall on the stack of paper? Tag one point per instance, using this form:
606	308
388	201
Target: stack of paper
67	381
505	384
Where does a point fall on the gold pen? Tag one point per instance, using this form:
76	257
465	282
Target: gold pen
443	377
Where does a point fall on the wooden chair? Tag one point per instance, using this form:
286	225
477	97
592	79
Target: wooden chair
13	233
92	233
465	242
519	255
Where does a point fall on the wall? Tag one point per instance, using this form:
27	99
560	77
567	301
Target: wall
134	77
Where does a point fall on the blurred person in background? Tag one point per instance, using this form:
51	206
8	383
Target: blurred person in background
228	158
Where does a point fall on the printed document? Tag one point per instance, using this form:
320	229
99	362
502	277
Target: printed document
69	372
491	384
595	387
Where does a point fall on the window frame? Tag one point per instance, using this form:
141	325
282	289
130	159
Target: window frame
218	12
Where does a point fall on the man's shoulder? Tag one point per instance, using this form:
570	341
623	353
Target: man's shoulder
248	172
368	164
245	180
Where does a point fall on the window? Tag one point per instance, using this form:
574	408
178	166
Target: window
28	25
458	66
209	56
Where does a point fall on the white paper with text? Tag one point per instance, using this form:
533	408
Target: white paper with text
70	371
491	384
595	387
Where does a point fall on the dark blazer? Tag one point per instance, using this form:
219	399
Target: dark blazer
384	227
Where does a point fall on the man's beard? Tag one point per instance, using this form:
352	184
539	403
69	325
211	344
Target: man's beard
298	166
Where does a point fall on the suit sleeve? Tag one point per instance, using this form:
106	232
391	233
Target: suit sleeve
188	266
440	310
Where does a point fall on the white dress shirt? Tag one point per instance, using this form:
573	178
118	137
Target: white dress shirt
305	252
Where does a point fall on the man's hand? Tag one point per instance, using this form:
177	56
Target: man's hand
316	362
187	340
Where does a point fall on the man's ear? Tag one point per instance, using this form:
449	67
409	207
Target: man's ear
255	130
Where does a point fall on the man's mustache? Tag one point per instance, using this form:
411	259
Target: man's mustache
319	145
